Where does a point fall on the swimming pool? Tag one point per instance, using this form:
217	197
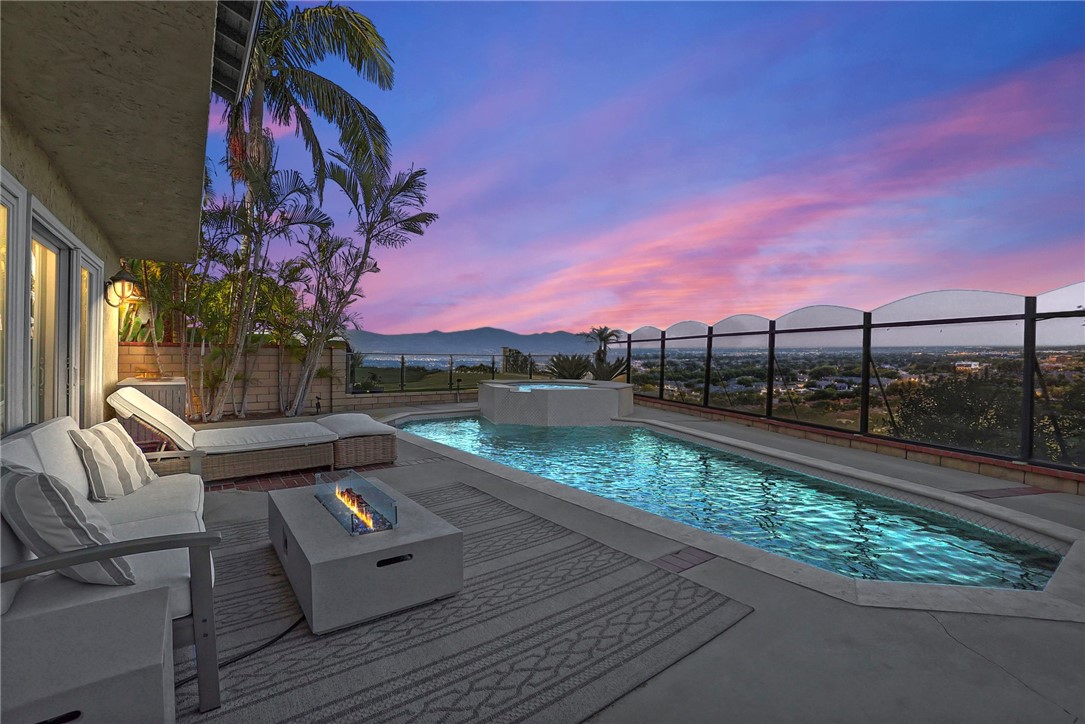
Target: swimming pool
825	524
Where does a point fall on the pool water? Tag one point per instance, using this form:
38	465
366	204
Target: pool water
528	386
825	524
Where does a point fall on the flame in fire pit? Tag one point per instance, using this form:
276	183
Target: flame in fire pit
355	504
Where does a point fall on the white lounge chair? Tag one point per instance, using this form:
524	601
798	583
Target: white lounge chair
231	452
343	440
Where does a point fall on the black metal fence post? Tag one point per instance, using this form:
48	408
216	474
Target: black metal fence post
402	372
662	362
629	358
450	373
707	369
493	367
771	371
530	367
1028	382
864	391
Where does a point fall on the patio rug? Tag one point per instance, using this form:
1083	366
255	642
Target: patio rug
551	626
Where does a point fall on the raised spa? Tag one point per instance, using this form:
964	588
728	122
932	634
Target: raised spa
555	403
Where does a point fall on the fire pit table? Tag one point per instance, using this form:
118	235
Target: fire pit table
354	549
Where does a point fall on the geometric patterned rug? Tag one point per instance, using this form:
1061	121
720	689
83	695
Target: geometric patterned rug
551	626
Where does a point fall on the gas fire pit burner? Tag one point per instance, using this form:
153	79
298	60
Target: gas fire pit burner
358	506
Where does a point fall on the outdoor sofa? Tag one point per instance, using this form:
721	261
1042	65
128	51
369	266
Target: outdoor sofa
71	646
335	441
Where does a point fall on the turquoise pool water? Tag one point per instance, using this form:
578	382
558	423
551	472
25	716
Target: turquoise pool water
815	521
528	386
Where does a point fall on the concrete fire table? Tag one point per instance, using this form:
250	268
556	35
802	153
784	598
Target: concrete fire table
342	579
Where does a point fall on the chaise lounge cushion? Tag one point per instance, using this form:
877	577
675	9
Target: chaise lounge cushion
355	424
49	518
129	401
219	440
114	465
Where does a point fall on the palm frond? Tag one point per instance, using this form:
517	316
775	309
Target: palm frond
314	33
361	134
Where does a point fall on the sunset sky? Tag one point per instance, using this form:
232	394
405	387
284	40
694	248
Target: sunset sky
644	163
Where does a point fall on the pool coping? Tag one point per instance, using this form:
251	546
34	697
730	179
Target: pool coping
1060	600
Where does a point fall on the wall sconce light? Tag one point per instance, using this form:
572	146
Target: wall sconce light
124	285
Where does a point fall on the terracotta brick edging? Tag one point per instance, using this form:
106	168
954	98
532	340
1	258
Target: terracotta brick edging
1063	481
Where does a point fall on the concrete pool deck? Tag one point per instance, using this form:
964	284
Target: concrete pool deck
804	655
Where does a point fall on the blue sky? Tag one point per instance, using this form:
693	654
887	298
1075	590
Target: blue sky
644	163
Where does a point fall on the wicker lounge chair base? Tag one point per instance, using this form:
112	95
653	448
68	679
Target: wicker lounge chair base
257	462
370	450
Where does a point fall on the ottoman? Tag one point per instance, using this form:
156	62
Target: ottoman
362	440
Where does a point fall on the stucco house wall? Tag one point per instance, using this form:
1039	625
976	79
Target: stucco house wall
32	168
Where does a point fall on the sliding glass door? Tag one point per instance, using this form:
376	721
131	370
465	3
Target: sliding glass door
48	331
51	316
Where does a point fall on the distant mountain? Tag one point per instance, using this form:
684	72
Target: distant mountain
485	340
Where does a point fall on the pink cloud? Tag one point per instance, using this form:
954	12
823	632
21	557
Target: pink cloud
837	230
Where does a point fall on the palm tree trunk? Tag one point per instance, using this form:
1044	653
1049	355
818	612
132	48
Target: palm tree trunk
308	373
246	284
279	379
154	318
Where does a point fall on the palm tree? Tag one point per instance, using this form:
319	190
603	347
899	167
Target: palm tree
601	369
389	210
289	42
603	337
276	208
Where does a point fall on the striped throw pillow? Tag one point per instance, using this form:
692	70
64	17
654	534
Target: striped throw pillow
115	466
49	518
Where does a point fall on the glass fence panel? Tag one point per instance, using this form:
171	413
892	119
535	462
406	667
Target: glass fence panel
1064	299
819	378
687	329
1059	386
469	370
644	365
513	364
740	368
741	323
950	303
368	373
822	315
684	378
646	333
953	385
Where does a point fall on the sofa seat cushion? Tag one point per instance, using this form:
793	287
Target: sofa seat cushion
355	424
165	496
115	466
49	518
219	440
163	568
